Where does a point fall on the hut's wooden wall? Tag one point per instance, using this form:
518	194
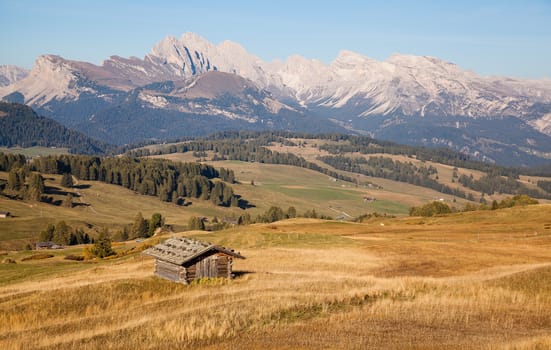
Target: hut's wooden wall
212	266
170	271
216	265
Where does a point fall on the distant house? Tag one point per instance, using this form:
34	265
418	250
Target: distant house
48	245
4	214
341	217
184	260
231	221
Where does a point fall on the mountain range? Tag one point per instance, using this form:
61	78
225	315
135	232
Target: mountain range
189	86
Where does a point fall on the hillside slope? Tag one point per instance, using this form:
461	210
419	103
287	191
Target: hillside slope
469	280
21	126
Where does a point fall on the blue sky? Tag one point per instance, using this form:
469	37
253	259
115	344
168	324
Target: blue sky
508	38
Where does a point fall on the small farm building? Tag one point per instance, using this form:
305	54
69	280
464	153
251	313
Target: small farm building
184	260
48	245
4	214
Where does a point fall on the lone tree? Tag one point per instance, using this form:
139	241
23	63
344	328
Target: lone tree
102	246
67	180
156	221
36	187
68	201
195	223
62	233
140	226
47	234
16	179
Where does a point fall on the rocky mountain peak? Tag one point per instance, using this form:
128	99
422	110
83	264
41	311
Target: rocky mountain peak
10	74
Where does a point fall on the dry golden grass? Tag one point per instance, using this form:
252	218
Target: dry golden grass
470	281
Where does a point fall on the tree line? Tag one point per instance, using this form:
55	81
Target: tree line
167	180
387	168
493	182
246	150
272	214
63	234
439	208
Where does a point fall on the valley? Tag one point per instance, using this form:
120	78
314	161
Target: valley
350	260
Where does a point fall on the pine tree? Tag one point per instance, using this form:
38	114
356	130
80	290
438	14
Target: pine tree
102	247
67	180
244	219
36	187
15	179
156	221
196	223
291	212
47	234
139	228
62	233
68	201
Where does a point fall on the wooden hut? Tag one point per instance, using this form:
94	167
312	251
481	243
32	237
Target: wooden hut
184	260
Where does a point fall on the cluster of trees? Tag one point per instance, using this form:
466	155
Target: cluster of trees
439	208
9	161
387	168
368	216
509	202
155	177
141	227
63	234
430	209
273	214
493	182
25	184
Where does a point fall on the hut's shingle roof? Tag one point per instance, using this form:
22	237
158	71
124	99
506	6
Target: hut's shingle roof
180	250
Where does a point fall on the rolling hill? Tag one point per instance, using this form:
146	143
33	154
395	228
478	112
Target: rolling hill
468	279
20	126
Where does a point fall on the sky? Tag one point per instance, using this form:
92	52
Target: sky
503	38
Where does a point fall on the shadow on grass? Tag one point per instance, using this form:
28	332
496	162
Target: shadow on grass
240	274
82	187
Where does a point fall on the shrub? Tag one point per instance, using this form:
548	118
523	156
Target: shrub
74	257
430	209
38	257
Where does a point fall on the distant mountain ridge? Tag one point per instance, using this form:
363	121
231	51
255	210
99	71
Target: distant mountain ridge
187	86
11	74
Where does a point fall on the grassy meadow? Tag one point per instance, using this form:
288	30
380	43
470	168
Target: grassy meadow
306	189
36	151
477	280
